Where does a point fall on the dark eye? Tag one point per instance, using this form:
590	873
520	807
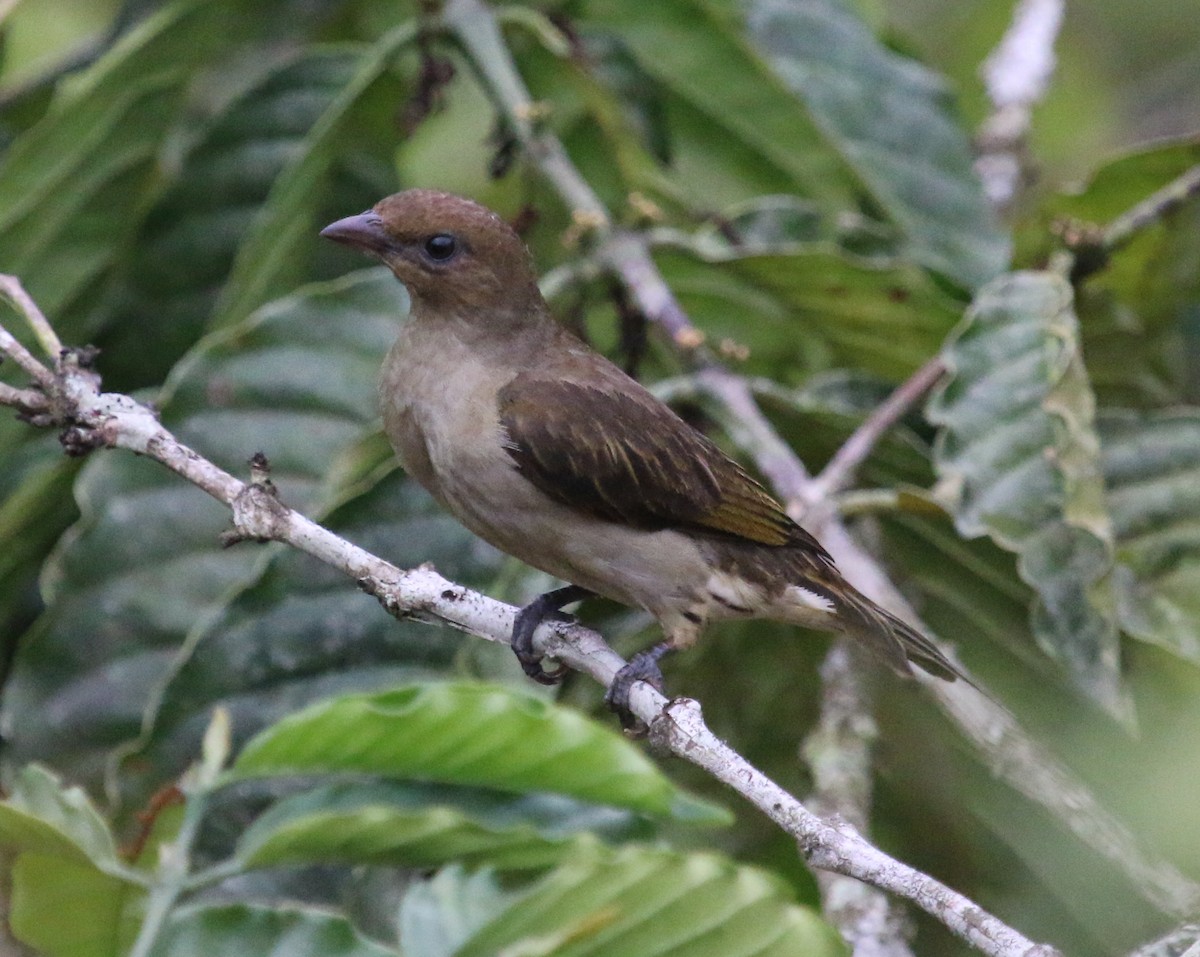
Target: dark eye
441	247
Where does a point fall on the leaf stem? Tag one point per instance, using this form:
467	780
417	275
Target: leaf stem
1152	209
841	469
172	878
1091	247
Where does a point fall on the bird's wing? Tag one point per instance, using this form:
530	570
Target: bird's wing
616	452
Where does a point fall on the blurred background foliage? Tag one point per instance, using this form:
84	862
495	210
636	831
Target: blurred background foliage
166	166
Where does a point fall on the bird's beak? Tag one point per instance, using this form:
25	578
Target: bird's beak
364	231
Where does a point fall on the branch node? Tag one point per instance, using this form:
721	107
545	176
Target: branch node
79	357
78	439
258	515
1086	243
585	223
675	724
534	112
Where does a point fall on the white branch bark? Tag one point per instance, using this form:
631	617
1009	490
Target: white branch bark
1016	76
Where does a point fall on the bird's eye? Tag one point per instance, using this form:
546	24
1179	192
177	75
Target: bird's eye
441	247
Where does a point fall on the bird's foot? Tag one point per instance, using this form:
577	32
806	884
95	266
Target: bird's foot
641	667
543	607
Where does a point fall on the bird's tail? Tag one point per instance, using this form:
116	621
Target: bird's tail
893	640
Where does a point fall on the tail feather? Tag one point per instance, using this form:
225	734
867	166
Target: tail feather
897	642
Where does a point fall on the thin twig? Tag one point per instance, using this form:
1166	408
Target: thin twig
1089	248
1153	209
172	878
10	346
24	400
840	471
474	26
12	290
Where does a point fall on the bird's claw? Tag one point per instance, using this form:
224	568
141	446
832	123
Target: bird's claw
641	667
531	661
543	608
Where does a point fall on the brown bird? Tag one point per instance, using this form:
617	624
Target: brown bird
544	448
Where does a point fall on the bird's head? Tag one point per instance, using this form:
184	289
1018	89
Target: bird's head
455	256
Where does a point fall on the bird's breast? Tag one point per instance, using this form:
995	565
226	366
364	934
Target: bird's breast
441	415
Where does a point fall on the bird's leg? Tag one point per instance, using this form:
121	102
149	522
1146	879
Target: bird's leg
641	667
544	606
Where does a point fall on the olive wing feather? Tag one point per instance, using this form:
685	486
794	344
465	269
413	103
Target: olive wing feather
622	455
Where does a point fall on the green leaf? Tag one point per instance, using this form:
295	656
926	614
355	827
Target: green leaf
439	914
203	931
299	633
1152	471
65	862
893	122
814	307
735	129
296	382
42	816
1122	182
421	825
72	186
63	908
474	734
271	259
1018	443
32	518
970	588
167	287
1140	337
638	902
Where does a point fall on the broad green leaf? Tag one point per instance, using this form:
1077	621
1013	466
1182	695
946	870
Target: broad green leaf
638	902
466	733
272	258
421	825
184	249
813	307
292	931
1152	472
1124	181
1138	339
42	816
72	187
439	914
732	121
782	224
32	517
296	382
1018	445
63	908
299	633
892	121
971	594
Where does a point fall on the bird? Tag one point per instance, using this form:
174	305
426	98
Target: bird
553	454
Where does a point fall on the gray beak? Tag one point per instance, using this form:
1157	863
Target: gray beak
364	231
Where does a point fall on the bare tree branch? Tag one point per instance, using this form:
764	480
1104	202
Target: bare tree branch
838	750
1016	75
118	421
